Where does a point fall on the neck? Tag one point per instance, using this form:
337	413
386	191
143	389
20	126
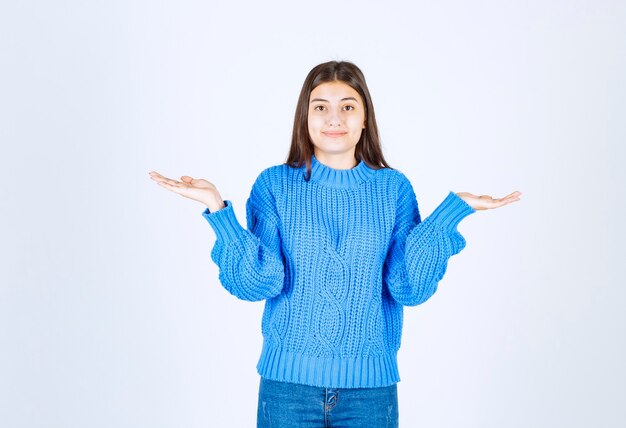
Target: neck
339	178
337	161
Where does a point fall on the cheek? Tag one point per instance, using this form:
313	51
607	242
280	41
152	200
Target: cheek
315	123
357	124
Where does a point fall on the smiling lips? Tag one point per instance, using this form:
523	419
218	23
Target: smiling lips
334	134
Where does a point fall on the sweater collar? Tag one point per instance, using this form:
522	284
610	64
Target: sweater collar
340	178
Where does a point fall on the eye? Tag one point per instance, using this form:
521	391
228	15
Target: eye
348	108
319	108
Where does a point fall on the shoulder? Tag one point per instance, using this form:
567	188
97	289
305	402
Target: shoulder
271	173
395	180
273	178
400	192
392	174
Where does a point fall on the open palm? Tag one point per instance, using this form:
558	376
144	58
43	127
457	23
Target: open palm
197	189
486	202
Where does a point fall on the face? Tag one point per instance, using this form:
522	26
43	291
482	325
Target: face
336	121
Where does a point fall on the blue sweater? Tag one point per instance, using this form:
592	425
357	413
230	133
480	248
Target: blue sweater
336	259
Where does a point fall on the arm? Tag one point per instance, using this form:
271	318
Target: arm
250	261
419	251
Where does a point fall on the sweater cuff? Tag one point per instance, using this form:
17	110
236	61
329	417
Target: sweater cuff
451	211
224	222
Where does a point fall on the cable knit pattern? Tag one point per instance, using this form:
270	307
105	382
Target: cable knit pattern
336	259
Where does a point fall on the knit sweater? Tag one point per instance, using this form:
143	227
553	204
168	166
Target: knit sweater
336	258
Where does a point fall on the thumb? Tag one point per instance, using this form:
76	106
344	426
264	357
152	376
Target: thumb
186	179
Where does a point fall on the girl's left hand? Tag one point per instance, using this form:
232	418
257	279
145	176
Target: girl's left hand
486	202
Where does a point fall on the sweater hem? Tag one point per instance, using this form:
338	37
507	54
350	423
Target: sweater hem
328	372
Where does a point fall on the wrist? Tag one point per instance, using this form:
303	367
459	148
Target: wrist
214	204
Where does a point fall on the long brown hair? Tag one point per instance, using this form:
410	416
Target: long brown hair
368	149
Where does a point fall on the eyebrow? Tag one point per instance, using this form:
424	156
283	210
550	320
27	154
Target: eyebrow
325	101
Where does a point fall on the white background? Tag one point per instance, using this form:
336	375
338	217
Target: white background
111	314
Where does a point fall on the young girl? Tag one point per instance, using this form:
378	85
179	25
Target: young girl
336	247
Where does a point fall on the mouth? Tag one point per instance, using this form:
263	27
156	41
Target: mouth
334	134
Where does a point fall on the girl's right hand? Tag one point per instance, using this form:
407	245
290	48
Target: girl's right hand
193	188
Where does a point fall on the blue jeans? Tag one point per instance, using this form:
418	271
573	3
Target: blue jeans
286	405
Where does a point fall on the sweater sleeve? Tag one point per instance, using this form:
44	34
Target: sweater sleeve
419	250
250	261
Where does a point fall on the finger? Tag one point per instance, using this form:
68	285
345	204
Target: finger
504	201
500	203
166	186
154	175
157	177
160	178
513	195
168	181
174	188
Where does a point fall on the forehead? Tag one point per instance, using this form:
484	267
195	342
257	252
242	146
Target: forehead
335	90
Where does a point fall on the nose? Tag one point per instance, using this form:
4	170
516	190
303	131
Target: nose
333	119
